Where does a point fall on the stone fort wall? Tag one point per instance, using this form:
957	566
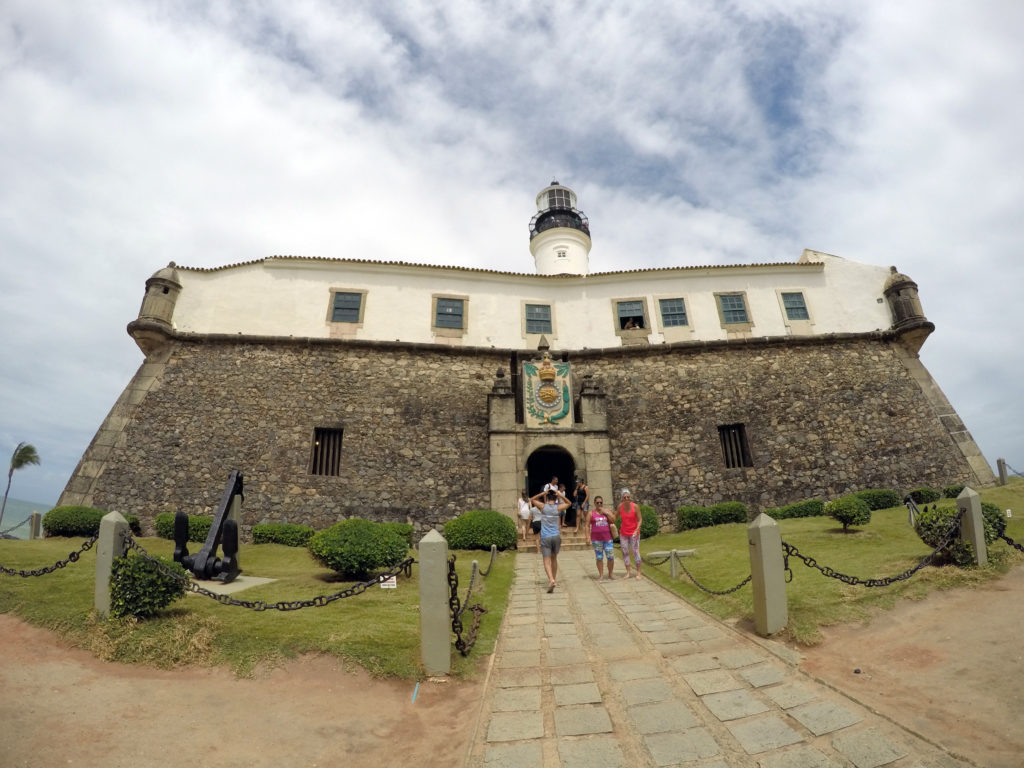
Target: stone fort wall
822	418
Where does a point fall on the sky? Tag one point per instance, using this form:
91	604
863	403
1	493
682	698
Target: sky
693	132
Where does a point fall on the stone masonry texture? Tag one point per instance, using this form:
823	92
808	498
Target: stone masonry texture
821	419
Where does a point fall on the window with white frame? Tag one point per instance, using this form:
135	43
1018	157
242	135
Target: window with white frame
795	306
673	312
734	308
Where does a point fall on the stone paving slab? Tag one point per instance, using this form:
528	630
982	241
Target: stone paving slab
514	726
821	717
662	716
732	705
633	670
645	691
578	721
571	674
681	746
509	678
516	699
595	752
565	641
790	695
520	659
798	757
763	733
577	693
514	755
696	662
761	675
712	681
868	748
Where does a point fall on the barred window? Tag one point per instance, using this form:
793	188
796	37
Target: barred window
449	313
796	308
538	318
346	307
326	452
673	312
734	308
735	449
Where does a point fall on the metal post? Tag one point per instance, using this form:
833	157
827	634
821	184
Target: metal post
435	619
972	529
767	575
1001	465
110	545
35	525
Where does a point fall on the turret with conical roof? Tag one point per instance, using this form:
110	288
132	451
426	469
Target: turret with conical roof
559	233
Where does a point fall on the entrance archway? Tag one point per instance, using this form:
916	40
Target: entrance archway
547	461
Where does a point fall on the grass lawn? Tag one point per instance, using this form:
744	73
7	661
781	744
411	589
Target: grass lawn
377	630
885	547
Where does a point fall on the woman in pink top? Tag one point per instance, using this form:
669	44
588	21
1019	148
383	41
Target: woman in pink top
599	532
630	519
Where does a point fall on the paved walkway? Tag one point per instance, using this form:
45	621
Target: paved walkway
624	673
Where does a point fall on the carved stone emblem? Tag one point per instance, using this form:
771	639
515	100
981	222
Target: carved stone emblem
547	392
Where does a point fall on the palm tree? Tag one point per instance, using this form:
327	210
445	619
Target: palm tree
24	455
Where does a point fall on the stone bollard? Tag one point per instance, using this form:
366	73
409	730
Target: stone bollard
35	525
972	529
674	567
110	545
435	618
1001	466
767	575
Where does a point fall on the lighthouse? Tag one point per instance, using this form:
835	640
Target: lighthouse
559	233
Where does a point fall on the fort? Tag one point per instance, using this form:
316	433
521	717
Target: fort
410	392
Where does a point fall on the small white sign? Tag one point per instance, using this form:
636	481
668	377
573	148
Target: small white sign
391	582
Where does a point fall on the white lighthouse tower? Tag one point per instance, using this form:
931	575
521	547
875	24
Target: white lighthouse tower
559	234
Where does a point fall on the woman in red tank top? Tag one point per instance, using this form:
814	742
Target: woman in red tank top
630	519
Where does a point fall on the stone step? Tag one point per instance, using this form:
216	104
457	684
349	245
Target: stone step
571	540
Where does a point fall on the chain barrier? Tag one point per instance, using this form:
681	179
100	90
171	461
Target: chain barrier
15	527
494	555
405	568
71	558
648	561
712	591
810	562
1011	542
1012	470
463	643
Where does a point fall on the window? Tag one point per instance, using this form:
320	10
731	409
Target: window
630	314
796	309
538	318
449	313
559	198
326	452
673	312
560	254
734	308
346	307
734	445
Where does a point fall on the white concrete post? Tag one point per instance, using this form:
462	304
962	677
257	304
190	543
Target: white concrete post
435	616
674	559
972	529
767	575
1001	465
109	546
35	525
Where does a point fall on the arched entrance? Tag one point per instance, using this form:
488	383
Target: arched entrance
547	461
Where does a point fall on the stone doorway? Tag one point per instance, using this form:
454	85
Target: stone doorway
547	461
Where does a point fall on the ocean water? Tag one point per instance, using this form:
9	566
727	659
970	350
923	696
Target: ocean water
16	511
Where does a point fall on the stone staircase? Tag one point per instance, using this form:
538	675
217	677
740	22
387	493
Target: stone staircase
570	541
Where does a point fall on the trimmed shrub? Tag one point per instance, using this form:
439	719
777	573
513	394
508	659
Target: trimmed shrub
925	495
649	525
995	521
952	491
139	588
849	510
404	530
479	528
80	521
198	526
280	533
934	522
689	518
809	508
879	498
356	547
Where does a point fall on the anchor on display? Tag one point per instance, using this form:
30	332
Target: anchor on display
223	533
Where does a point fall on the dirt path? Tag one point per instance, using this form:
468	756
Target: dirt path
950	667
62	707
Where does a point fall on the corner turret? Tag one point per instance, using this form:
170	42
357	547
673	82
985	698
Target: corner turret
908	316
153	325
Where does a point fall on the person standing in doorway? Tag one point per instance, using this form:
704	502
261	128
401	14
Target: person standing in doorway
630	519
599	531
524	514
581	501
552	506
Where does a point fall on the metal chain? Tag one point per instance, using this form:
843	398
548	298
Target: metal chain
405	567
648	561
1011	542
462	643
494	554
1012	470
16	527
810	562
71	558
712	591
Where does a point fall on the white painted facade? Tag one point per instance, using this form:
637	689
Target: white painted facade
293	296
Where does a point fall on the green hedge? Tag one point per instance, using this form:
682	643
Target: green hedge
925	495
139	588
688	518
80	521
281	533
649	525
879	498
479	529
952	491
356	547
402	529
849	510
809	508
198	526
933	524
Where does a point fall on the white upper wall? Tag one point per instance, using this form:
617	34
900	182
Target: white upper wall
288	296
